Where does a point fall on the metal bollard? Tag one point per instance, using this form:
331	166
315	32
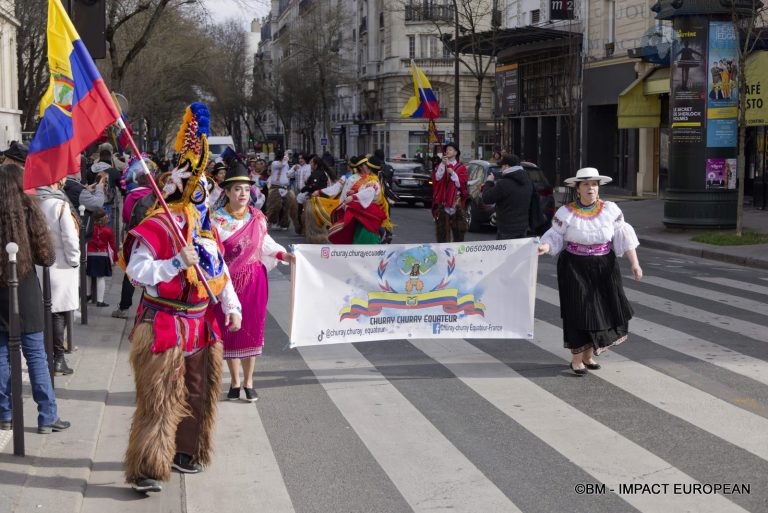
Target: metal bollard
83	277
14	350
48	321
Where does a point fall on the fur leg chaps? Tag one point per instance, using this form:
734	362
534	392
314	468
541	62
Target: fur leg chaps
162	405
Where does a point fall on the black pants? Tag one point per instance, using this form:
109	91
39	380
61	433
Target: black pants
59	327
126	293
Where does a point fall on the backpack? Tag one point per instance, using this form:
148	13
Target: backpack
536	217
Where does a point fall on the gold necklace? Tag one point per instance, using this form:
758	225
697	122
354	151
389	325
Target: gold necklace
237	215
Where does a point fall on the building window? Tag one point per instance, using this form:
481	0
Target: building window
430	47
411	47
535	17
381	20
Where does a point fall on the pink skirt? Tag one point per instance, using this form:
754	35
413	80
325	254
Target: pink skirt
253	291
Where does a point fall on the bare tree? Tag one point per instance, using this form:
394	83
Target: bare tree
139	19
31	58
749	20
165	76
315	55
465	27
225	78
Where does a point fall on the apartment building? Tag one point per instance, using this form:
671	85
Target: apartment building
375	49
10	115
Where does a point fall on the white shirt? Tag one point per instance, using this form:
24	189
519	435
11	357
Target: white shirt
607	226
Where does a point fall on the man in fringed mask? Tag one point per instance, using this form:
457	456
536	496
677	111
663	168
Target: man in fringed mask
175	343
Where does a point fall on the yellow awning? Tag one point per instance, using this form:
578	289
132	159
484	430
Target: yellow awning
636	109
657	82
757	88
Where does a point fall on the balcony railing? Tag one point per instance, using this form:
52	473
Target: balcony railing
427	63
429	12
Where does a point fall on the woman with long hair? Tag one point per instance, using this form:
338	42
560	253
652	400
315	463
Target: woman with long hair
22	222
249	253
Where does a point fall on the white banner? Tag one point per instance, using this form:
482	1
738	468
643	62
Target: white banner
349	293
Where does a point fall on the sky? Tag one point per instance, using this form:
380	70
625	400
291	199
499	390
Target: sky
246	10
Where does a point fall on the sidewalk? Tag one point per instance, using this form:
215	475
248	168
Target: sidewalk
80	470
646	215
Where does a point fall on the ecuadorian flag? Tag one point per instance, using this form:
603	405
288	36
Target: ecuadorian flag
423	103
75	109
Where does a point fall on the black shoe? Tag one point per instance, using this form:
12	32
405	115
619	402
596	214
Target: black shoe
233	394
183	463
146	485
592	366
58	425
102	304
580	372
60	367
6	425
251	395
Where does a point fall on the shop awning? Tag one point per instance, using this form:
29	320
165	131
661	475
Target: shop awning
638	109
657	82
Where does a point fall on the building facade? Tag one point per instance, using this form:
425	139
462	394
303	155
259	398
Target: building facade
374	51
10	115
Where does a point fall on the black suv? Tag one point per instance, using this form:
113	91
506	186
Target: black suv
481	214
411	182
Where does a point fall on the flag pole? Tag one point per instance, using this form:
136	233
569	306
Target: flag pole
178	236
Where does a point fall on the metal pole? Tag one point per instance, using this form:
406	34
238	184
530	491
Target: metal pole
456	118
14	349
83	277
48	320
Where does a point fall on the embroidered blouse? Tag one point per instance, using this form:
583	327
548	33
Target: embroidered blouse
589	226
227	225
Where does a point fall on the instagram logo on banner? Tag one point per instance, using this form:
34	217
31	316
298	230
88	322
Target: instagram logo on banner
325	252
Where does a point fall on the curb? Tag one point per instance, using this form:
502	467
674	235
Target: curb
704	253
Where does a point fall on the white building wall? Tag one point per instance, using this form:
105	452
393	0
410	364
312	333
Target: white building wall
10	115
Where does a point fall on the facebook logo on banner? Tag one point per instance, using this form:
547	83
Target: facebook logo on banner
435	328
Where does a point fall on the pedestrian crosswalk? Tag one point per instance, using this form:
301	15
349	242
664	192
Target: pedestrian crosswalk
676	420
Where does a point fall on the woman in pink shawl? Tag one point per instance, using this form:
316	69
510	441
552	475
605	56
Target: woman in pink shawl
249	253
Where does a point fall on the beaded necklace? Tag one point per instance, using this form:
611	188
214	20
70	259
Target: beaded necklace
236	215
586	212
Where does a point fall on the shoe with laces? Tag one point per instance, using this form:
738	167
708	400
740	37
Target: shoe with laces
57	425
120	314
234	394
251	395
183	463
147	485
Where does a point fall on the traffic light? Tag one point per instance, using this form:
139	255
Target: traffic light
90	20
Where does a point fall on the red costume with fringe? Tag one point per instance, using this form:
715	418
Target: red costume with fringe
175	353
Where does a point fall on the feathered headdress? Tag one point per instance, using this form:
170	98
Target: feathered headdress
183	185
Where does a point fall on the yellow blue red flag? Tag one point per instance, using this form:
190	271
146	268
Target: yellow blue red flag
75	109
423	103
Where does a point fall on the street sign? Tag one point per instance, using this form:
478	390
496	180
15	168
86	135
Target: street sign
323	141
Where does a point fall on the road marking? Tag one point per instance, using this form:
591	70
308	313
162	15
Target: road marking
737	284
712	295
615	458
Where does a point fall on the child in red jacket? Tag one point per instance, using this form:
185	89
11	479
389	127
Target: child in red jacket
102	253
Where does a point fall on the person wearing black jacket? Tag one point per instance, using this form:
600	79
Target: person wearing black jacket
511	193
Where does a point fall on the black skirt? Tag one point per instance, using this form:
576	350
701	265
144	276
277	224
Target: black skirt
593	306
98	266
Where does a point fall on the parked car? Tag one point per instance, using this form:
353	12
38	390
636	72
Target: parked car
481	214
411	182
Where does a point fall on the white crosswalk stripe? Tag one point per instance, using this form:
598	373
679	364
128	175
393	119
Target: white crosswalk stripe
424	462
737	284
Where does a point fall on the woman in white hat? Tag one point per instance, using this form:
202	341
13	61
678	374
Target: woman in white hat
588	234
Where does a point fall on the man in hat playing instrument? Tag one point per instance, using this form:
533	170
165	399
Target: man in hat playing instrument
449	196
175	342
